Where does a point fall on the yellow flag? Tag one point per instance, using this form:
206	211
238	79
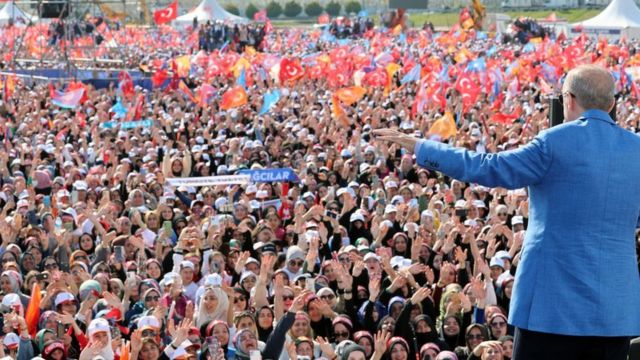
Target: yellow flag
392	68
242	63
445	127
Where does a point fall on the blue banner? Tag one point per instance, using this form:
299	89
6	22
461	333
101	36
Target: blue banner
135	124
271	175
127	124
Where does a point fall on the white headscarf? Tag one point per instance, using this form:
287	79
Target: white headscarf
98	325
220	312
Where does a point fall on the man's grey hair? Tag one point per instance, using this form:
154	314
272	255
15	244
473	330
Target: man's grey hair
592	86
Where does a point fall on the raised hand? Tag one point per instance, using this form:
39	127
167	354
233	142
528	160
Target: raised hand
420	295
325	347
461	256
374	288
394	136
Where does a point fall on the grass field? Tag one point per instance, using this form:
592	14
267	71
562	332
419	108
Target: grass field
450	18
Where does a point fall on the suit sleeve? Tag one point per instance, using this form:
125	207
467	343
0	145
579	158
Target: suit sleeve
511	169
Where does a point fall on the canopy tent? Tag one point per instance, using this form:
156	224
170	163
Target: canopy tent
208	10
619	18
11	11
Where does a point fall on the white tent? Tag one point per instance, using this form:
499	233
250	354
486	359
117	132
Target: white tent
208	10
12	11
619	18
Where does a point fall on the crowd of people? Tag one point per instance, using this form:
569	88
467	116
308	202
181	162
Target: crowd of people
344	27
367	256
215	35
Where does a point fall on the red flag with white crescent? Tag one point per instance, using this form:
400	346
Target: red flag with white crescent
167	14
290	70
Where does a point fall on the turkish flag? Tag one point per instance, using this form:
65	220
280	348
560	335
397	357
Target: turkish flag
290	70
260	15
377	77
167	14
159	77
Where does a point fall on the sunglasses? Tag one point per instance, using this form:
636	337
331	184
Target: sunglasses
342	334
502	214
498	324
344	259
148	333
51	266
152	298
287	297
296	263
327	297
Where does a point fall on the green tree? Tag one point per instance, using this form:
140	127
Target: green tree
352	7
232	9
251	10
333	8
313	9
274	10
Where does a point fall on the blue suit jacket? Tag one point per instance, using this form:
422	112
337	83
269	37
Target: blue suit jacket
578	273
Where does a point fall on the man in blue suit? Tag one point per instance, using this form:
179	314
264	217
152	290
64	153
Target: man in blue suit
577	290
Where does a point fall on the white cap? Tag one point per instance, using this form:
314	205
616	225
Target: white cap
64	297
478	204
502	254
371	256
213	280
390	209
391	184
400	261
495	261
187	264
356	216
148	320
11	340
517	220
11	300
460	204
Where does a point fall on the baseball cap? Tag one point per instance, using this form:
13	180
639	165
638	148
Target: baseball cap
64	297
496	261
517	220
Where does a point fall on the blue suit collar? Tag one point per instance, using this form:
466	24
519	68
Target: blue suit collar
598	115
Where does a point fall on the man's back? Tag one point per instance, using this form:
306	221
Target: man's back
578	274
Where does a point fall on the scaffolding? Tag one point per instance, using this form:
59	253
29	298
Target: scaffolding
117	13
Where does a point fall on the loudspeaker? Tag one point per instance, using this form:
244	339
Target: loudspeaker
54	9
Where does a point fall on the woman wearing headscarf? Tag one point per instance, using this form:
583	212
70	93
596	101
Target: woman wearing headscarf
365	340
42	337
213	305
219	329
264	322
54	350
474	335
10	282
99	341
149	299
246	340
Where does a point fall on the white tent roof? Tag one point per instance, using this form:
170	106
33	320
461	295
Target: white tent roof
619	14
12	11
208	10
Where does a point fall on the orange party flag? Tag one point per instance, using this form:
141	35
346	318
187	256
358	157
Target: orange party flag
445	127
350	95
32	315
233	98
